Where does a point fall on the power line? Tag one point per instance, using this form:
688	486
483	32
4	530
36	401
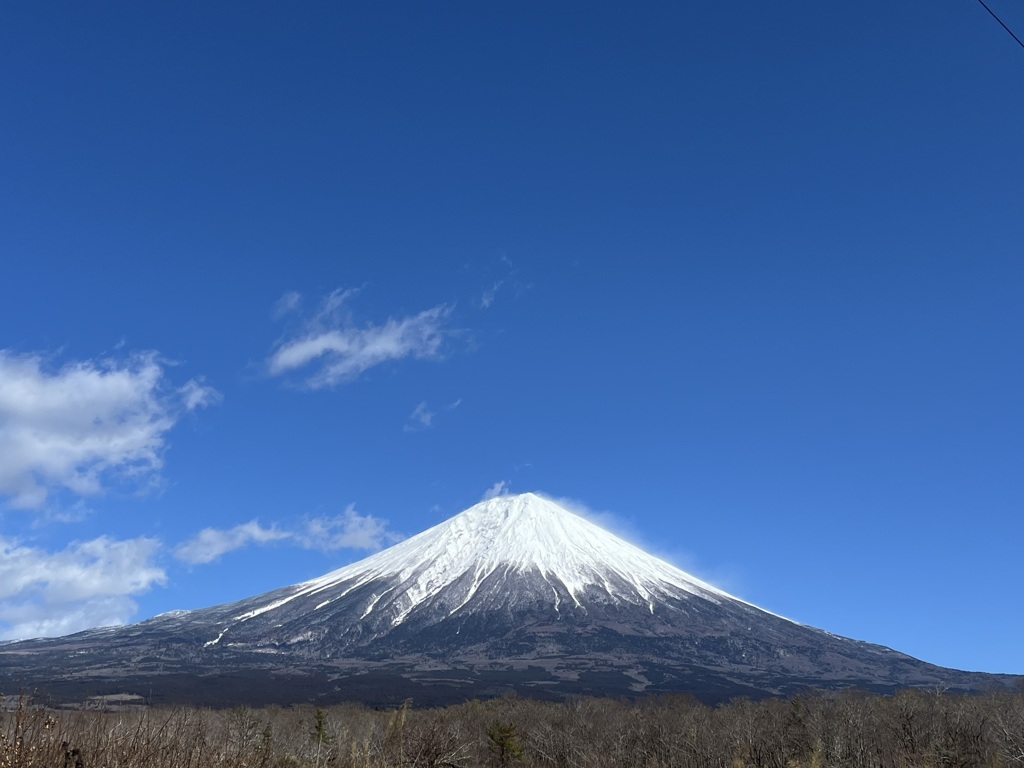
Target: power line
1001	23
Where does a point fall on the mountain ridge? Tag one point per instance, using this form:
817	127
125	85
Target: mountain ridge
514	593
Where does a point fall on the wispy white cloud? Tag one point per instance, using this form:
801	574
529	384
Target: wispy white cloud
500	488
349	530
87	584
211	543
509	281
331	349
289	302
86	424
420	418
92	583
487	297
75	512
195	394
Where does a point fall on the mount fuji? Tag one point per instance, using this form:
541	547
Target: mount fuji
515	593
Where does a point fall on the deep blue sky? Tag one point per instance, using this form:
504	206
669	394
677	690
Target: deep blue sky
745	280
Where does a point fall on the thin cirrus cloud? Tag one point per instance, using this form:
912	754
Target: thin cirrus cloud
349	530
289	302
86	425
87	584
487	297
422	417
331	349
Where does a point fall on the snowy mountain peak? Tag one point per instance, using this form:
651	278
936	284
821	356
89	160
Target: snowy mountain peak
509	548
511	509
525	529
514	592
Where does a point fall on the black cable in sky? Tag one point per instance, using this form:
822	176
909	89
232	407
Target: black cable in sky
1001	23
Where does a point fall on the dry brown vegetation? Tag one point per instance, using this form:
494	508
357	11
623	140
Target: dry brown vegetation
908	730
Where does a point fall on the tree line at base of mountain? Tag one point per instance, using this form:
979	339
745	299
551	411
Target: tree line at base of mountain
856	730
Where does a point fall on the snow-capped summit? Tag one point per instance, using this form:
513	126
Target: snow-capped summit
508	537
514	591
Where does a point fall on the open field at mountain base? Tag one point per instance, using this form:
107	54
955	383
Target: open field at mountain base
848	730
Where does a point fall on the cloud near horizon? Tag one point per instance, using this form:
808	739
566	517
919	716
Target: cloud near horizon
211	543
349	530
87	584
86	425
92	583
331	349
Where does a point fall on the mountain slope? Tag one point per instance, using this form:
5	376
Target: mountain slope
514	592
507	553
